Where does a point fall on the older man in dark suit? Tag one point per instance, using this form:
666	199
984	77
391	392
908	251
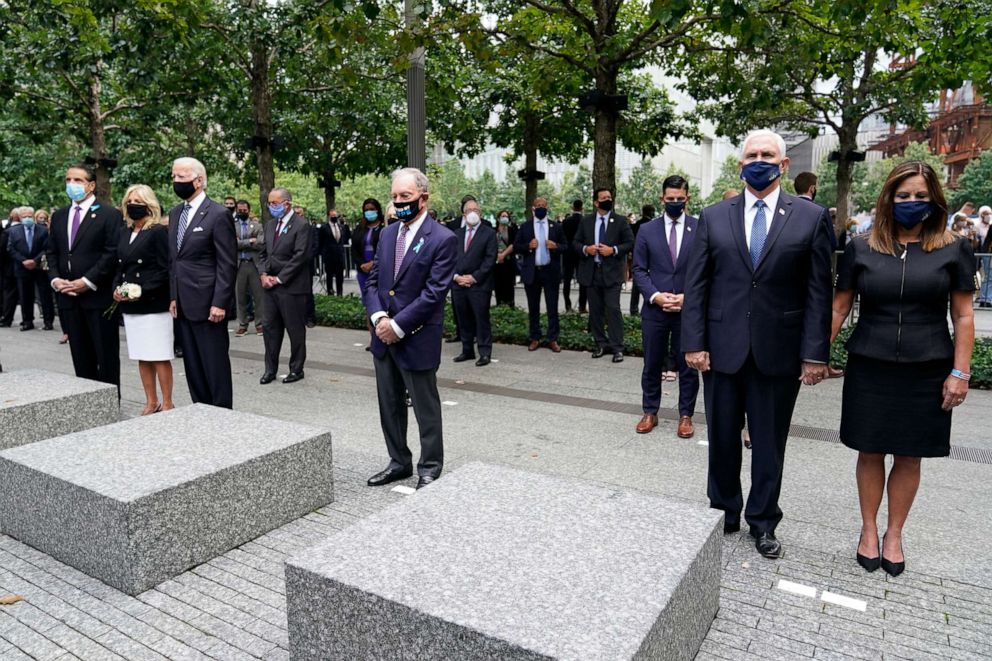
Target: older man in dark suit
404	297
203	251
661	252
27	245
539	246
756	322
472	290
603	241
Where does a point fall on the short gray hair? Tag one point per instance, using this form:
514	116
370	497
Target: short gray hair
25	212
283	193
419	178
193	165
764	133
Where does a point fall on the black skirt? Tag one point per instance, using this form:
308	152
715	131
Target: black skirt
894	408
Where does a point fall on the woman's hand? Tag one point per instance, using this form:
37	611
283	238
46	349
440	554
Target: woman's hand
366	267
117	297
955	392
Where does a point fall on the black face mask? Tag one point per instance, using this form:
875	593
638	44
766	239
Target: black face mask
606	205
333	219
137	211
407	211
243	215
674	209
184	189
230	210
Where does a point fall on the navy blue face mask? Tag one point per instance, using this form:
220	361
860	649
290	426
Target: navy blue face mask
911	214
759	175
674	209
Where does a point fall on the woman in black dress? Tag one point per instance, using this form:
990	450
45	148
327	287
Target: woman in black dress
904	373
505	273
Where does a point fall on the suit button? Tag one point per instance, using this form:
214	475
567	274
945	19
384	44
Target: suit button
754	284
392	293
139	261
748	315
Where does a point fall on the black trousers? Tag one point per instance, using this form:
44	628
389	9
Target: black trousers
545	282
392	385
27	285
635	297
655	337
505	279
9	298
472	308
95	345
768	402
334	270
285	314
206	361
569	264
604	307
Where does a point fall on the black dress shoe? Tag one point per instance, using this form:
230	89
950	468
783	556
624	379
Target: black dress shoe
891	568
27	327
462	357
618	357
598	353
868	564
178	351
424	481
768	546
731	527
6	324
389	475
293	377
483	361
48	327
268	377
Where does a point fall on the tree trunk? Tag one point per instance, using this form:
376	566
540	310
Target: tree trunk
98	137
532	126
604	159
330	192
262	115
848	142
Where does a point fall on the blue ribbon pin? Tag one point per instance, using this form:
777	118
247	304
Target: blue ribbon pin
420	244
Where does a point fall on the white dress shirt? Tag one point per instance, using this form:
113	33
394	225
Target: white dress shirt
771	206
411	234
679	233
84	208
194	205
281	224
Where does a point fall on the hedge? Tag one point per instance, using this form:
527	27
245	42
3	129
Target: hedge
510	326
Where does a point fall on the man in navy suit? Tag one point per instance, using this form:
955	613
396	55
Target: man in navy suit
661	252
539	246
27	244
472	290
203	250
404	296
756	323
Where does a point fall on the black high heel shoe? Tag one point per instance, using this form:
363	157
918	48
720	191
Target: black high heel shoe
868	564
892	568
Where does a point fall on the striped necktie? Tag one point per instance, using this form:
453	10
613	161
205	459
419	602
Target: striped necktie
183	224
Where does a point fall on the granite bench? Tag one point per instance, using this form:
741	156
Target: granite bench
140	501
35	405
495	563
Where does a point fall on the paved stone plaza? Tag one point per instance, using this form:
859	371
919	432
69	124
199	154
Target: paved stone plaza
560	414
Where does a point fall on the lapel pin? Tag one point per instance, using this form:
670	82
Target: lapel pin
781	211
688	229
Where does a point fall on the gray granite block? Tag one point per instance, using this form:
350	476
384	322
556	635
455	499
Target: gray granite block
140	501
35	405
496	563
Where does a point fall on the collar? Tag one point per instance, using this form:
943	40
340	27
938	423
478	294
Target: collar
84	206
771	200
415	224
285	219
680	219
197	199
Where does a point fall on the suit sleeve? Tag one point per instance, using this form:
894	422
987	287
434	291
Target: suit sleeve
414	315
488	259
815	344
264	254
105	267
561	244
626	239
579	243
12	250
226	252
53	253
697	286
159	248
642	257
520	242
301	255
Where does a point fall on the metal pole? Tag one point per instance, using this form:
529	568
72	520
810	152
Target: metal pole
416	107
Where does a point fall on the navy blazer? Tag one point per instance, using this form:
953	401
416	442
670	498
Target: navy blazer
480	259
92	256
414	299
779	311
19	250
653	268
527	258
204	269
288	258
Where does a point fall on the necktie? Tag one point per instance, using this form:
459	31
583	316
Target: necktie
758	232
543	259
76	218
244	236
673	243
469	237
336	231
275	239
600	233
29	235
183	223
400	250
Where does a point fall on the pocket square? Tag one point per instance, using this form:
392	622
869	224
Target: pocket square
198	229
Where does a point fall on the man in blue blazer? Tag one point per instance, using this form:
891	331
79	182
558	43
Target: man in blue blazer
404	297
539	246
756	322
27	244
661	252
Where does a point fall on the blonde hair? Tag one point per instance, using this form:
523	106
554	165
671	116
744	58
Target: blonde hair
143	195
42	212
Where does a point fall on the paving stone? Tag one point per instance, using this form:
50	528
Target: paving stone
27	640
127	647
81	646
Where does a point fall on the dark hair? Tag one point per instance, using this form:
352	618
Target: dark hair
230	197
647	211
244	202
85	167
576	205
934	234
804	181
675	181
595	193
465	200
362	223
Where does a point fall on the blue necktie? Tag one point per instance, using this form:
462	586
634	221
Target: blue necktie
543	258
600	234
30	237
183	223
758	232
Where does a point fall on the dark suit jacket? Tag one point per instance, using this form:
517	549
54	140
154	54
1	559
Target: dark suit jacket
18	249
204	269
480	259
145	262
414	299
333	251
779	311
526	258
288	258
93	256
255	231
653	268
618	235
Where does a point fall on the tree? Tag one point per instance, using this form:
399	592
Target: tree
975	183
869	185
728	179
642	187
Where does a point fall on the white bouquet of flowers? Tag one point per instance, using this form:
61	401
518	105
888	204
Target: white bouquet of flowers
127	291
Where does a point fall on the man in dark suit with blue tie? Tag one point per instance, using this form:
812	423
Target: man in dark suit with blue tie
404	297
539	246
661	252
27	244
472	291
756	323
203	250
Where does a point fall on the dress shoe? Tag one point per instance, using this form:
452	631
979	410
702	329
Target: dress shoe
731	526
6	324
389	475
259	330
424	481
647	423
554	346
599	353
65	339
241	332
178	351
618	357
293	377
268	377
534	344
452	340
868	564
462	357
311	324
48	327
767	545
483	361
686	429
27	327
891	568
834	372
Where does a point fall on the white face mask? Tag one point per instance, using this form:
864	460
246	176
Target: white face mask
472	219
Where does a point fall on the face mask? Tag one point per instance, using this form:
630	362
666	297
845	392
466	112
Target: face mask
540	213
28	222
76	192
183	189
504	220
230	210
674	209
137	211
606	205
333	219
407	211
243	215
472	219
759	175
277	211
371	215
911	214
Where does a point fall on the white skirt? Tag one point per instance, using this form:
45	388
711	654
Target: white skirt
149	336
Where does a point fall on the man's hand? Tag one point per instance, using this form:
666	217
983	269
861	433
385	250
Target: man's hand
551	244
591	249
172	309
29	264
384	331
216	314
251	240
366	267
673	303
605	250
59	284
533	244
698	360
464	280
813	373
268	281
74	287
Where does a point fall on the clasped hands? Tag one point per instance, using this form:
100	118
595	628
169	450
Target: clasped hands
268	281
70	287
464	280
600	249
812	374
385	331
551	245
669	302
216	314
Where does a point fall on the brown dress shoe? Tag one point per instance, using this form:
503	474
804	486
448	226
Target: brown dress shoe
647	423
554	346
686	429
534	344
241	332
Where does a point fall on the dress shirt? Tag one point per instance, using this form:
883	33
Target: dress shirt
194	206
84	208
750	211
542	257
411	234
679	233
599	239
280	226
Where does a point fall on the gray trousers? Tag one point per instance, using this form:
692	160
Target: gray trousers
285	314
392	384
248	279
